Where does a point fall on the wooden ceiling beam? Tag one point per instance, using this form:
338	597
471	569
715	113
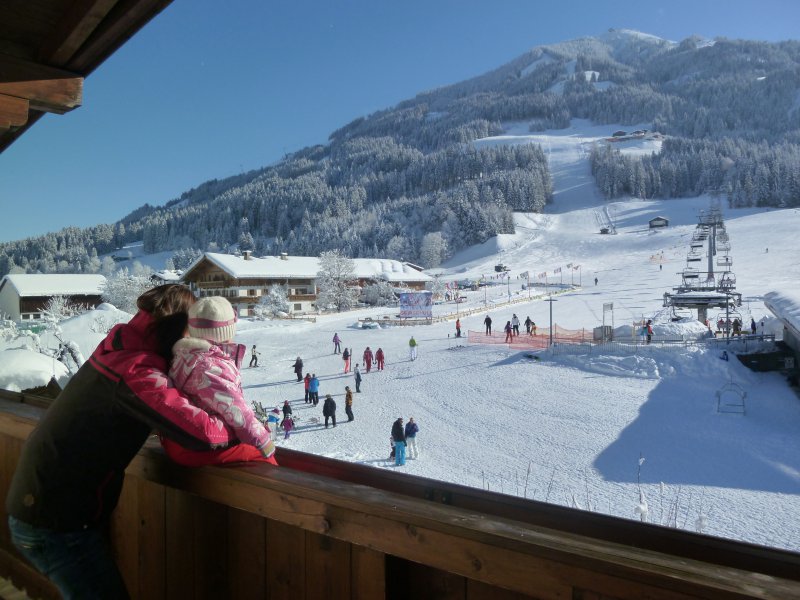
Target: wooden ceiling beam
46	88
13	111
125	19
73	29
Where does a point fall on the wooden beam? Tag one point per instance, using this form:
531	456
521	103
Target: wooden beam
46	88
13	111
125	19
74	28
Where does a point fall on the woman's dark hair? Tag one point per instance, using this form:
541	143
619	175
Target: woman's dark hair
168	305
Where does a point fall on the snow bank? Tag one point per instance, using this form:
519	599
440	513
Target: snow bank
22	369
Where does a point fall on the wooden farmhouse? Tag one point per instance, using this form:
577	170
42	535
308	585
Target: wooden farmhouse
317	527
245	279
23	296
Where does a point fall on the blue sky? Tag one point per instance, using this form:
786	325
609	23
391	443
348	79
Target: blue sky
210	89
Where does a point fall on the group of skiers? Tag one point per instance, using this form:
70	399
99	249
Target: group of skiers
402	438
511	328
735	327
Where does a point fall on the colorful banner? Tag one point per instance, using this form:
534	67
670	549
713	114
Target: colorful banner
416	305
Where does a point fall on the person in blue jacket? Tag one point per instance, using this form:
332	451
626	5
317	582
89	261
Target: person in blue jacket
313	389
411	438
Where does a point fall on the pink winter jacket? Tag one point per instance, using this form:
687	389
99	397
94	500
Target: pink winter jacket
209	375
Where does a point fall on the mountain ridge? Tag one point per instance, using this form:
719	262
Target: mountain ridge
407	181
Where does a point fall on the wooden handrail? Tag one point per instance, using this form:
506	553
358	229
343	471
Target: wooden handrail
502	541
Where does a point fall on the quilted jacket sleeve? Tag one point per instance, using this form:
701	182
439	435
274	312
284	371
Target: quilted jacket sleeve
214	385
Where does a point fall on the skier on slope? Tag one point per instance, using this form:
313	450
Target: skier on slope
379	358
488	322
357	375
367	359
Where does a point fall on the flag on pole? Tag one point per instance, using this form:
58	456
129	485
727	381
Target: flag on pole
576	267
569	265
557	270
542	275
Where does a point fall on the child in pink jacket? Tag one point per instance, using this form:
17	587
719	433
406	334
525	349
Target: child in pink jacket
205	367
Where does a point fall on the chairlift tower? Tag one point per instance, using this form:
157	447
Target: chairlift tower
701	294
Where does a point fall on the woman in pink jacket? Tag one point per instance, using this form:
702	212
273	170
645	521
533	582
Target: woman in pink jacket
205	367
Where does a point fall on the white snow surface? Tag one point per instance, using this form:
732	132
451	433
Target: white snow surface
570	428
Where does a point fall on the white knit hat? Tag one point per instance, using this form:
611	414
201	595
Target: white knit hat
212	319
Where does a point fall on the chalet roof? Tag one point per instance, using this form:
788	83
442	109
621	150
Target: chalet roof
48	47
307	267
659	218
55	284
785	306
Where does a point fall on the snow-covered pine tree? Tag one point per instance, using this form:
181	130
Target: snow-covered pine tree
336	282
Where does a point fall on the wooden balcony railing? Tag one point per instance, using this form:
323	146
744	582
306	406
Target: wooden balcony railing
321	528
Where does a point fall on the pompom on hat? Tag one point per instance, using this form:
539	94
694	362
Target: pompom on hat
212	319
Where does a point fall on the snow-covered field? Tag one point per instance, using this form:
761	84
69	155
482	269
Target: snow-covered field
569	428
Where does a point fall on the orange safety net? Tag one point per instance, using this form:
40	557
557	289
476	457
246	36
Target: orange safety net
540	340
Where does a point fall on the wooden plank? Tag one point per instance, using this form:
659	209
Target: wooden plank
80	19
286	561
211	548
477	590
151	499
13	111
327	567
497	551
180	547
422	581
367	573
123	534
25	577
247	555
46	88
123	21
10	449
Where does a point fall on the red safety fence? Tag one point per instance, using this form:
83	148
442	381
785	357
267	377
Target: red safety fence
532	341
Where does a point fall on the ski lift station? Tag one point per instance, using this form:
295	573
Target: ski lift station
702	290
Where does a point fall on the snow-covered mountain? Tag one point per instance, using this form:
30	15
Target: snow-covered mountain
411	182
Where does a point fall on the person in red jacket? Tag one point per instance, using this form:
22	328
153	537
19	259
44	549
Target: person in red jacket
379	358
71	468
368	359
306	381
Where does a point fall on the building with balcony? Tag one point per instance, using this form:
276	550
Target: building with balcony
245	279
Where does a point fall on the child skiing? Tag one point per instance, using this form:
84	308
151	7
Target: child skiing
336	341
412	348
288	425
358	380
254	357
346	358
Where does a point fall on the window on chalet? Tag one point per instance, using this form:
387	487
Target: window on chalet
298	307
